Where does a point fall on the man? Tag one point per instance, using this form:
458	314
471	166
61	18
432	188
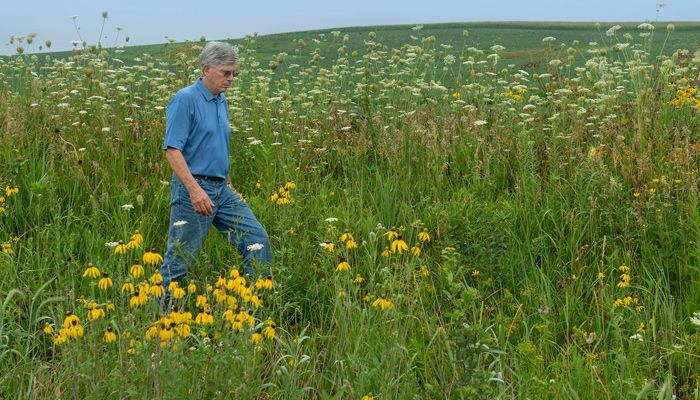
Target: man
196	145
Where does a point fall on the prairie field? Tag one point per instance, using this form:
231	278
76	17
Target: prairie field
489	211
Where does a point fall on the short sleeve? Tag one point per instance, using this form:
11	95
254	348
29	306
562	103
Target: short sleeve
178	121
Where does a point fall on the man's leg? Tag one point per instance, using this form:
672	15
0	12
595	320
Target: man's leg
187	232
235	220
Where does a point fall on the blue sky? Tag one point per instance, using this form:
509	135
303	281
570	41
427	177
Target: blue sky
150	21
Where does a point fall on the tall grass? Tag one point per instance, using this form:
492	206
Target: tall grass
537	188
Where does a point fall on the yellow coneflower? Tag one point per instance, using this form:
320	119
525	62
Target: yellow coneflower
328	246
351	244
166	332
48	329
9	190
183	330
157	290
246	293
128	287
192	288
358	280
382	303
234	273
600	275
237	322
220	295
156	278
476	273
231	302
70	320
415	250
152	258
91	271
343	265
204	317
274	197
258	184
137	238
642	328
399	245
110	306
60	338
386	252
121	248
424	236
248	316
221	281
135	301
109	335
96	313
346	236
290	185
369	396
256	301
342	294
136	270
625	279
256	338
259	283
282	200
268	283
201	301
228	315
269	330
392	233
105	283
75	330
151	332
178	292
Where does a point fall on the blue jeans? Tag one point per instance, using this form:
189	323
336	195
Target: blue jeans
230	215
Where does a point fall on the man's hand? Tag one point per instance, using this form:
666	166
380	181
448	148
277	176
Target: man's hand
200	201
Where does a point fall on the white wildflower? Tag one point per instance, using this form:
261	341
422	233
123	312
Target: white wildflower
255	247
695	319
331	220
637	336
128	207
612	31
479	122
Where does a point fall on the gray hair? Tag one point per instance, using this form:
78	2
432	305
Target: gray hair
219	53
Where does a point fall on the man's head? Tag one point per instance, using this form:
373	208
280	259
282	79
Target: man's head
219	63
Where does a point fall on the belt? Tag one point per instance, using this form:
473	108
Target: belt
209	178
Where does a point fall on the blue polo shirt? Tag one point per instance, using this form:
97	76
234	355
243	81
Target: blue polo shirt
196	123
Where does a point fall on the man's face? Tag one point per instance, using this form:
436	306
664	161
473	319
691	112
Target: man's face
218	78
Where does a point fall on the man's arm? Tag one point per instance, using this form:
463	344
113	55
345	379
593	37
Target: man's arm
200	201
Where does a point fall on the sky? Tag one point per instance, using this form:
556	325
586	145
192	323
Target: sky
151	21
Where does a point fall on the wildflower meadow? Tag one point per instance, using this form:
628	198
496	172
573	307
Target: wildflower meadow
445	222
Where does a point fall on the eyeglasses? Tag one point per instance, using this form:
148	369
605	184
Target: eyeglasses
227	74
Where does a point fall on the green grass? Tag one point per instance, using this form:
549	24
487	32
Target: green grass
536	188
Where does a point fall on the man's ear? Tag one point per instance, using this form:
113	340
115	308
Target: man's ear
205	69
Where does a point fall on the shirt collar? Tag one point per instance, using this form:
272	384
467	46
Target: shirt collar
205	92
